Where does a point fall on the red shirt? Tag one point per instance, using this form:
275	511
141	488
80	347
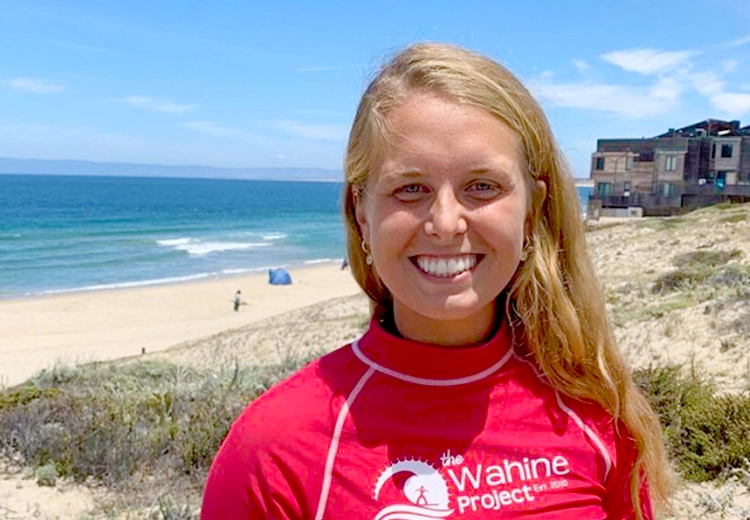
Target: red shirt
390	429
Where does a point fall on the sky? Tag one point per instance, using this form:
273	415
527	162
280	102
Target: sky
276	83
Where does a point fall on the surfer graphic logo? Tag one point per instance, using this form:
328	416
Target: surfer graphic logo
424	491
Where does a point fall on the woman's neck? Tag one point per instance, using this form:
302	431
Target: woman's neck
466	332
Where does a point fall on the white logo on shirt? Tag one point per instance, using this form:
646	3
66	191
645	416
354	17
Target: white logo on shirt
425	490
507	483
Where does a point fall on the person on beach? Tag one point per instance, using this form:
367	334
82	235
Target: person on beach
488	384
237	300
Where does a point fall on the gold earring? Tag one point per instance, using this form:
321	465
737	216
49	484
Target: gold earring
368	256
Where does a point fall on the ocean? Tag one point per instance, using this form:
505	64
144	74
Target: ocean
78	233
75	233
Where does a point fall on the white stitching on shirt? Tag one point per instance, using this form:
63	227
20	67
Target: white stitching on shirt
333	448
576	419
588	431
430	382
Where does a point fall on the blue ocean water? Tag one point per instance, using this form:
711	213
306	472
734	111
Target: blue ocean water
70	233
74	233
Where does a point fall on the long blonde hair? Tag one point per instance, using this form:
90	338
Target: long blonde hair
554	301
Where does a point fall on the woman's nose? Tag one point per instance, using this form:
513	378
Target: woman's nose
447	216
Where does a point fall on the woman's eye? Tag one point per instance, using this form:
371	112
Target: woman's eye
483	189
410	192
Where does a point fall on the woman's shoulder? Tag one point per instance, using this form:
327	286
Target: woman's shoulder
303	401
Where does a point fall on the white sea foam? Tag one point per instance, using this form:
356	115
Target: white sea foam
249	270
205	248
125	285
321	261
199	248
273	236
173	242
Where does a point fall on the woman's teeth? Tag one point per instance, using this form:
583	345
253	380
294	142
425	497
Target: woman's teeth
446	267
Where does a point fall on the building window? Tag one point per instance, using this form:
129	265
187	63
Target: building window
600	163
721	179
726	150
629	163
670	163
713	151
603	189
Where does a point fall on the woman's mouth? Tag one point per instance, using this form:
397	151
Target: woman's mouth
446	267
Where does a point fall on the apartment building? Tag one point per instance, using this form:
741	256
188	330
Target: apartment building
698	165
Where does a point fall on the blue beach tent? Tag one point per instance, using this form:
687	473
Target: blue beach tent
279	277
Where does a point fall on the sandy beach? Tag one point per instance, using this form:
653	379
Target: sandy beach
36	333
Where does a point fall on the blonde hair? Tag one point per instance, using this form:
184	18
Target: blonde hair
554	301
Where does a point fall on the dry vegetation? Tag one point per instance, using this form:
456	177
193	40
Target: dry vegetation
141	432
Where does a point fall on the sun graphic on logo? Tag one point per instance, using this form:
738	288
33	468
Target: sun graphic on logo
425	490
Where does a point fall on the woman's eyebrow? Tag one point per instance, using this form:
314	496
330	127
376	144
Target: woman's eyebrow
492	170
401	174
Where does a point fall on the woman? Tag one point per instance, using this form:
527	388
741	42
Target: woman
487	385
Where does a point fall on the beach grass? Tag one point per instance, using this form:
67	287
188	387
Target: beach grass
122	425
149	430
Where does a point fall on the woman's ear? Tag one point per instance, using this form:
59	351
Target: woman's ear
359	209
538	194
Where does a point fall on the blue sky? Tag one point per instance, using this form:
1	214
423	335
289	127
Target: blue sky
259	84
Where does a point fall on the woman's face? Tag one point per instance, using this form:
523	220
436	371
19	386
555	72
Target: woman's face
444	215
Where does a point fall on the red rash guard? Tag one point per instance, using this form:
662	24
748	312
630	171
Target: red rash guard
389	429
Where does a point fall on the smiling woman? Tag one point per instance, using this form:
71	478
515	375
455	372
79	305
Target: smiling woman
488	379
445	213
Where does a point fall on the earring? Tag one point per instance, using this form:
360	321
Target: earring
368	257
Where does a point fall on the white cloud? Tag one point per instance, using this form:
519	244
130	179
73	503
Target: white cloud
626	101
213	129
581	65
670	75
667	89
323	132
222	131
648	61
729	65
35	86
158	105
739	42
706	83
731	102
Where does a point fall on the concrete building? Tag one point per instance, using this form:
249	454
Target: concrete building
698	165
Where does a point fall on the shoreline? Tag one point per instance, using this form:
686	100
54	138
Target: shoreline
138	284
40	331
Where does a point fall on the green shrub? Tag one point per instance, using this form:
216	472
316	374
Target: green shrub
168	510
47	475
694	268
706	434
110	422
22	395
734	275
705	258
679	280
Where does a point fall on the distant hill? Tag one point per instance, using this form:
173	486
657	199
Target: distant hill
71	167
